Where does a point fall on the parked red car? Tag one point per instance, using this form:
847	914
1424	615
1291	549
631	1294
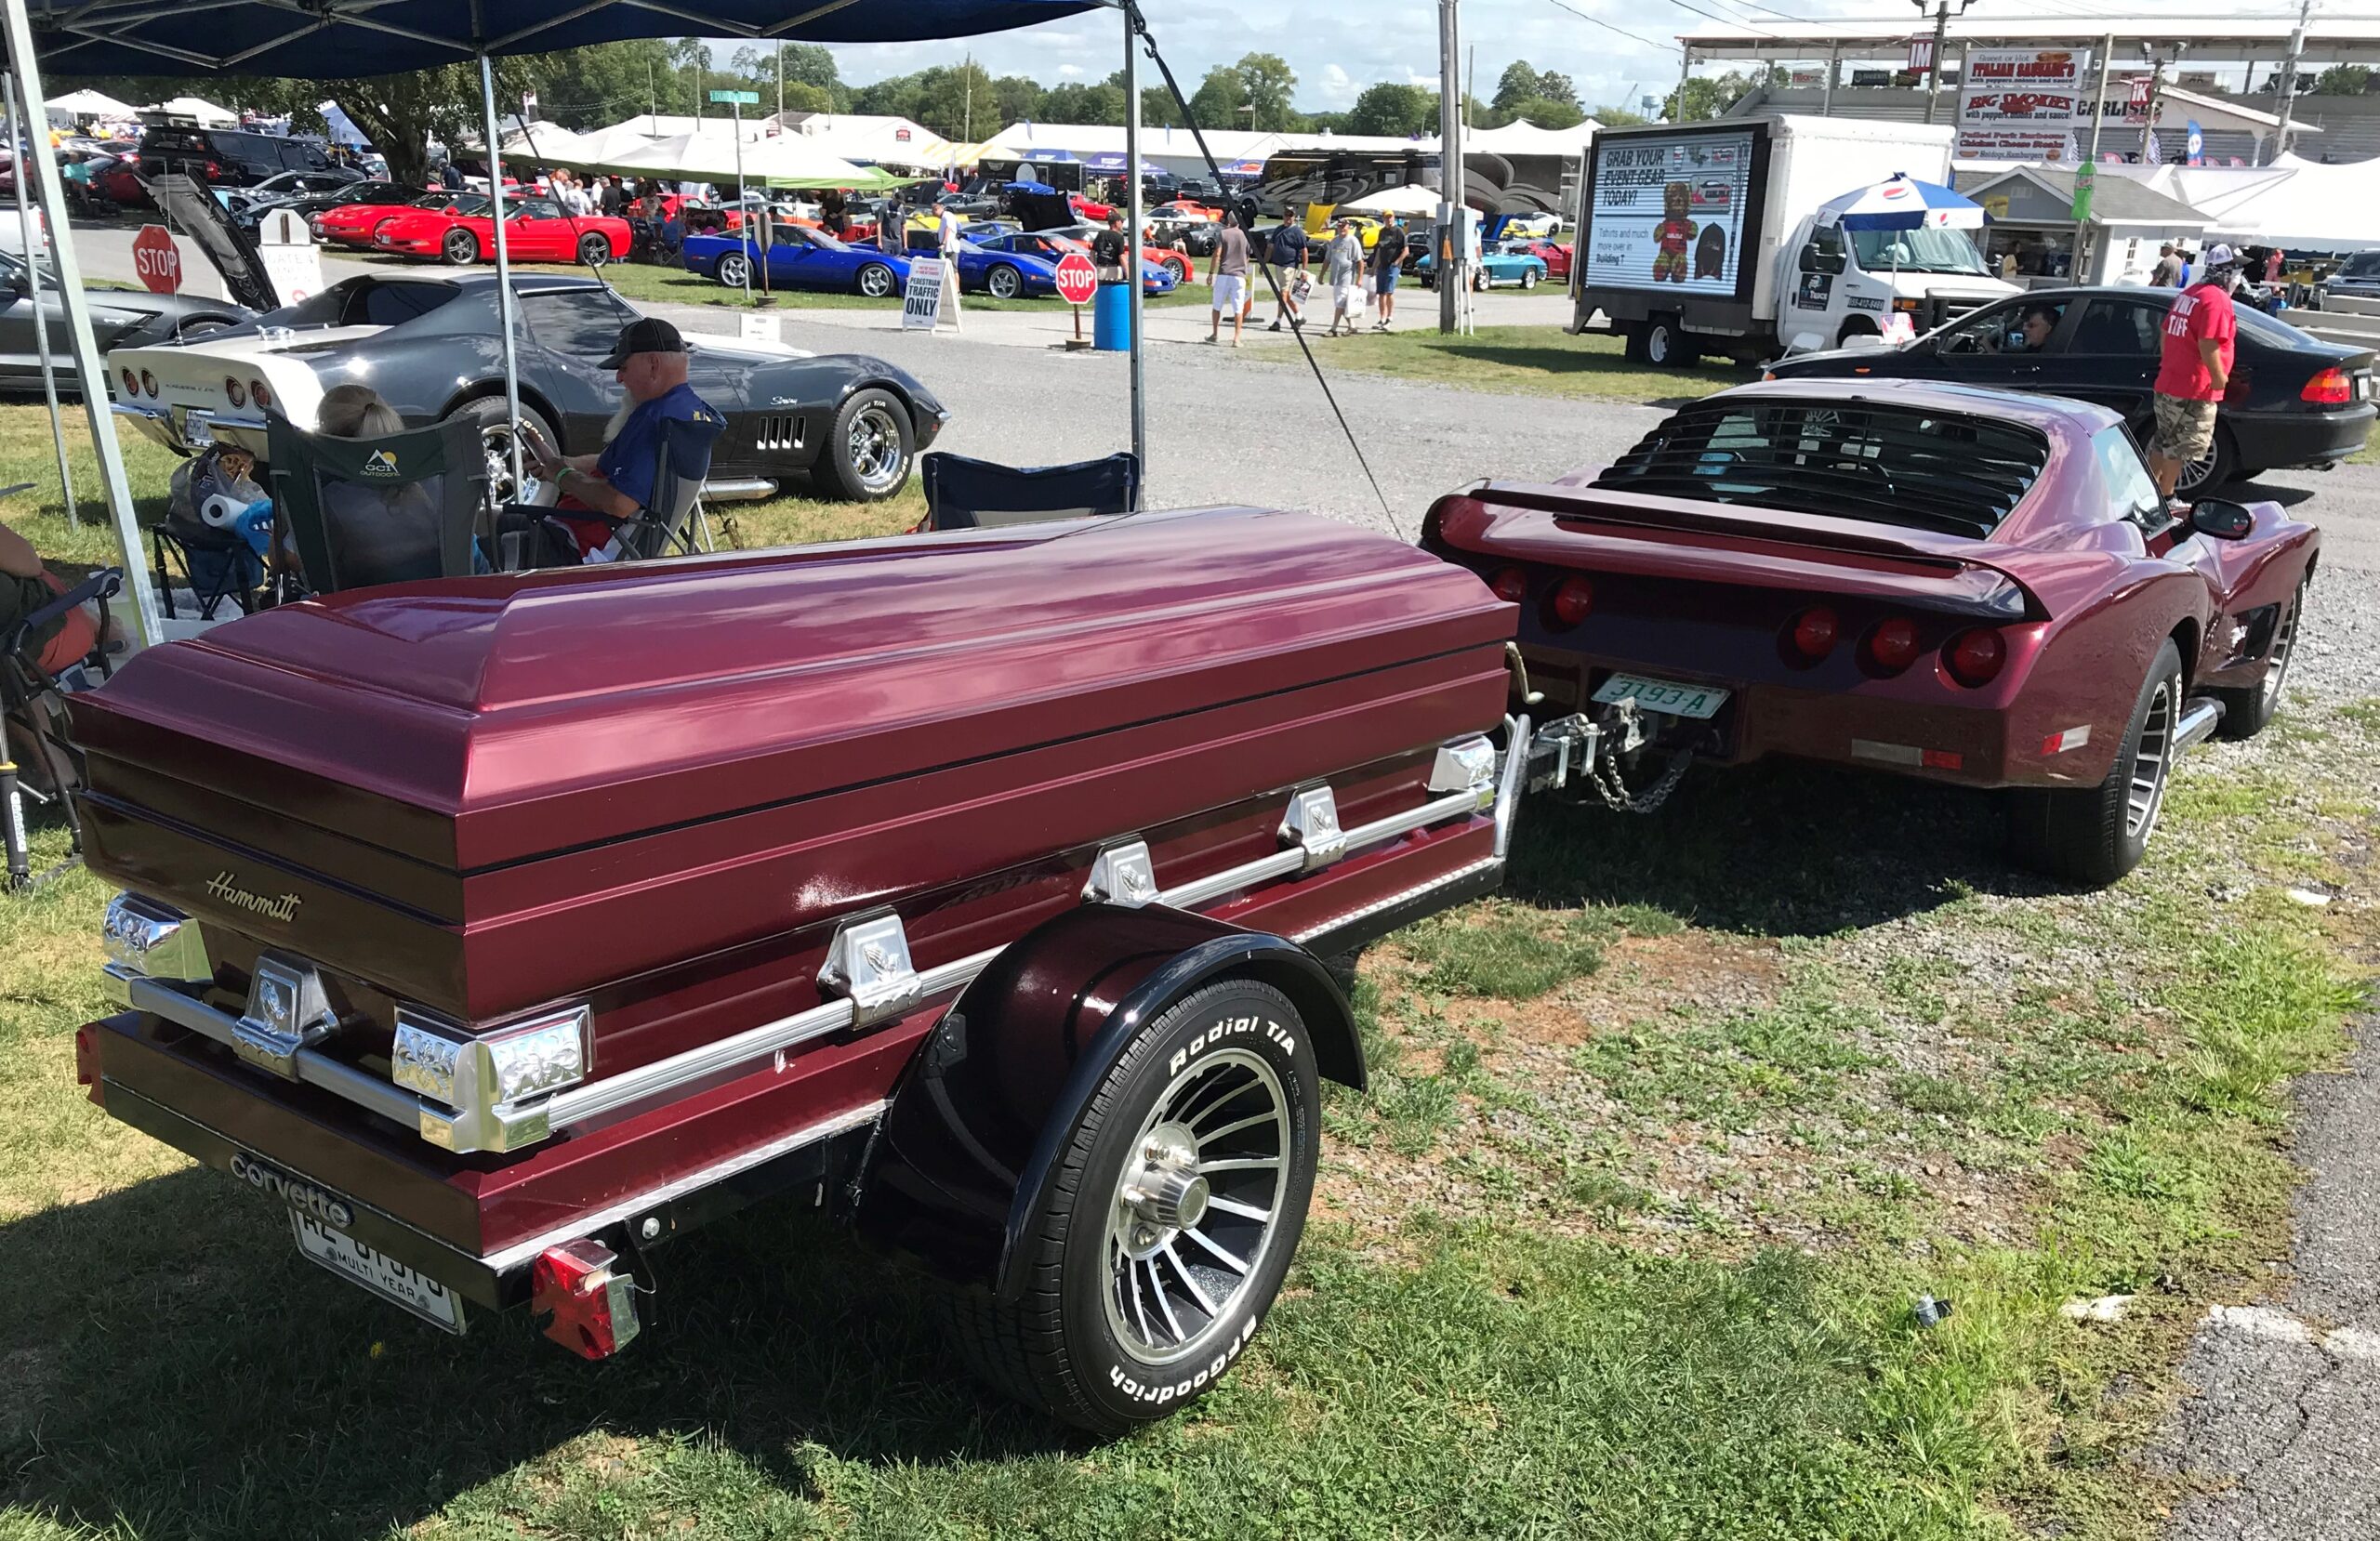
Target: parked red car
535	230
1088	208
1972	586
545	944
353	225
1555	256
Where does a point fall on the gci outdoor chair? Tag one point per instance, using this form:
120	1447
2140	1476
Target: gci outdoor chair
362	512
42	766
979	494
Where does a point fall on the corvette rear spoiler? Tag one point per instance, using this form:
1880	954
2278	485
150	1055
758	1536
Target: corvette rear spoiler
1741	544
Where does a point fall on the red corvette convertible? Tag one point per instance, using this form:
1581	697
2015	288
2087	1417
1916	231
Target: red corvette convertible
1555	256
352	225
535	230
1968	585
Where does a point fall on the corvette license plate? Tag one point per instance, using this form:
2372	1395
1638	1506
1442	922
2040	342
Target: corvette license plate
197	432
378	1272
1663	695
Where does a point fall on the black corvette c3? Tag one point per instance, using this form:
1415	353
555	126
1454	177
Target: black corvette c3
848	425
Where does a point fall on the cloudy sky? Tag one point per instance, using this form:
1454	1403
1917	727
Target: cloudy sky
1339	47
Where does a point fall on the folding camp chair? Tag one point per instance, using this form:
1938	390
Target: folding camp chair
216	565
38	761
978	494
674	522
362	512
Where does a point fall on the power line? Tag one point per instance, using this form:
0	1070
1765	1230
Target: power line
1665	48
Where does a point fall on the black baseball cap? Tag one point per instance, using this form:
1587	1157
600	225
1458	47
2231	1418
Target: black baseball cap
645	334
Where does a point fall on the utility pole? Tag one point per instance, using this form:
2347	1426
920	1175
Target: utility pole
780	80
967	128
2156	88
1934	64
1454	213
2289	79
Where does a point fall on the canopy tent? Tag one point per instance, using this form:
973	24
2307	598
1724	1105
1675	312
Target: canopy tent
206	113
328	38
720	158
1412	198
1523	138
91	104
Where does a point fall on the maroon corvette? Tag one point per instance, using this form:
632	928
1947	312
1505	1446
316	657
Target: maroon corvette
1972	586
971	886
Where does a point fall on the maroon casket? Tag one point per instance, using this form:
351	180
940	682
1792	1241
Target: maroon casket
505	928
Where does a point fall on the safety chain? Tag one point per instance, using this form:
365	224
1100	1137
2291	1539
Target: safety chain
1614	791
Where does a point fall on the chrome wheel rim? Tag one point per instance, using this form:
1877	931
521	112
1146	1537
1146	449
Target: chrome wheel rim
461	248
495	442
1198	1206
730	272
875	445
1002	283
2277	657
875	282
594	251
2151	761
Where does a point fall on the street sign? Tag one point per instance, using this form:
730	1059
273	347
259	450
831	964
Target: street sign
1077	279
737	98
157	261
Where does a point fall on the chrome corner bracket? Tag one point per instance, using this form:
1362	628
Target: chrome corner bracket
1122	875
1468	766
287	1011
145	937
868	965
1311	825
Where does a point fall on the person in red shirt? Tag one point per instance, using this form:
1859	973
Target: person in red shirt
2195	369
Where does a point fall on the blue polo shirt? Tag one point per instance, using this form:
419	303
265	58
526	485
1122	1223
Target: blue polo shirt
633	456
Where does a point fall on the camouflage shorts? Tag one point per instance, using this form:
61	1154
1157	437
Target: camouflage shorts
2185	428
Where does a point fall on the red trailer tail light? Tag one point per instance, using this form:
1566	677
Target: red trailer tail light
1511	585
87	1059
259	394
1975	657
1891	647
148	383
2330	388
237	392
1574	600
1814	631
591	1300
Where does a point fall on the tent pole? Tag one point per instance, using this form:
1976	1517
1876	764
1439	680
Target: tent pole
31	250
505	304
1132	231
88	367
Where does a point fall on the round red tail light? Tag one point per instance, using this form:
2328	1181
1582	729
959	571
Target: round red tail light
258	394
1974	657
1574	601
148	383
1814	631
1511	585
131	383
236	392
1893	645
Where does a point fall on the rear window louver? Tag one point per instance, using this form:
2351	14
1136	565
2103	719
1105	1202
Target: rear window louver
1887	465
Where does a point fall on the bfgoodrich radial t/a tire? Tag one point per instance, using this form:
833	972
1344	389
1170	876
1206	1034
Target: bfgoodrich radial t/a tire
1180	1194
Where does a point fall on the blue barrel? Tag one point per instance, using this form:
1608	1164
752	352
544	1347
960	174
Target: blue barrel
1111	319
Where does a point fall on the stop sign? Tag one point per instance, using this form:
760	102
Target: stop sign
156	260
1077	279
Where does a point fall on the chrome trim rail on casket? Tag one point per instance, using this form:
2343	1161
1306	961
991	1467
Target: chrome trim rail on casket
497	1091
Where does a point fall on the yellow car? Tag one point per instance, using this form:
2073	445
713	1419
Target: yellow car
1368	227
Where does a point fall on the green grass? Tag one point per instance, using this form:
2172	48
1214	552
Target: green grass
1621	1242
1531	360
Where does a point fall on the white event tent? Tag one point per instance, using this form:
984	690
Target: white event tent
206	113
76	105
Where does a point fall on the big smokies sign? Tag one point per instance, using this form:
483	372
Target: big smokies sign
2020	104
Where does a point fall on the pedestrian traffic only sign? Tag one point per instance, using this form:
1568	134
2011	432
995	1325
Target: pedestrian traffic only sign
932	290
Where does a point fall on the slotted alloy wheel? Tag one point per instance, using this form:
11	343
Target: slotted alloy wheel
1003	284
876	456
1198	1207
2285	638
876	280
2152	760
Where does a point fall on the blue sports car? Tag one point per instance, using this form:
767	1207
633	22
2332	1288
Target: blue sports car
1495	266
1049	248
798	258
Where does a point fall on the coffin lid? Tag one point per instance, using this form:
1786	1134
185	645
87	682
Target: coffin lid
496	720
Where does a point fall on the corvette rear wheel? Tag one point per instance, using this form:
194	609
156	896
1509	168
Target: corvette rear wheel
867	453
460	248
594	248
495	442
1179	1196
876	281
1528	278
2246	711
732	270
1004	282
1179	268
2096	834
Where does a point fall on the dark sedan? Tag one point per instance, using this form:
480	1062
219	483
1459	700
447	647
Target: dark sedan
119	318
2294	400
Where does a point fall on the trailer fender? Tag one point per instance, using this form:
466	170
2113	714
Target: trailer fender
969	1145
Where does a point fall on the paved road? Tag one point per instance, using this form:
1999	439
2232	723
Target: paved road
2290	1405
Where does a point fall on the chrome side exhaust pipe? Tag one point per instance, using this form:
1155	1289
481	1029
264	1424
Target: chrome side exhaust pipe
2198	724
738	490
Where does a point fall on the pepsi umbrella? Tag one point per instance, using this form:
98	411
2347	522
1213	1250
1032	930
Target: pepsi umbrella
1902	203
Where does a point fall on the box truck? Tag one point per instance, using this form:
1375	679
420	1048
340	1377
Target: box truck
1702	238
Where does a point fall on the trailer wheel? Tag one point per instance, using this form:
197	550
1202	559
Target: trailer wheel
2096	834
1178	1198
1670	346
